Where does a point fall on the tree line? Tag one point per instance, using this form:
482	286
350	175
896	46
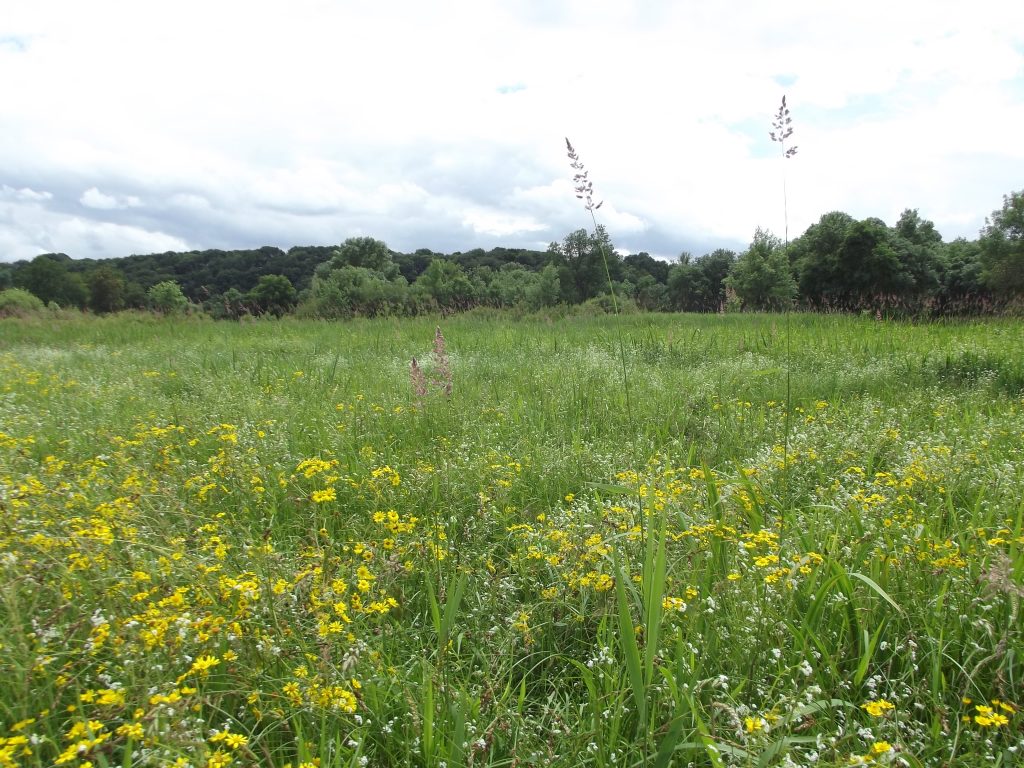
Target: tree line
840	263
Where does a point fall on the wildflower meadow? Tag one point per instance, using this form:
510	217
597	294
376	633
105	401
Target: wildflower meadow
646	540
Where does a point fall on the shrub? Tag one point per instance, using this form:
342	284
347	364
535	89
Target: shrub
17	302
167	298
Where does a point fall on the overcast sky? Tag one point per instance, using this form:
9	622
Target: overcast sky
145	126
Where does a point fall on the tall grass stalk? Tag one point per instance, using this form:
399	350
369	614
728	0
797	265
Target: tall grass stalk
641	668
584	189
782	129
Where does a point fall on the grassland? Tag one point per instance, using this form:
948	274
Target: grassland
258	544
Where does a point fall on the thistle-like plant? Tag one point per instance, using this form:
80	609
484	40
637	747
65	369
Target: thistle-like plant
442	378
419	382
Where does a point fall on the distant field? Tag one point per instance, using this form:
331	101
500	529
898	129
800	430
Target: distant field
612	544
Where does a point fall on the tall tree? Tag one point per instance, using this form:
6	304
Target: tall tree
961	285
639	264
699	286
106	290
360	278
365	252
446	285
348	291
274	294
1002	246
584	255
847	263
47	276
761	276
920	250
817	257
870	266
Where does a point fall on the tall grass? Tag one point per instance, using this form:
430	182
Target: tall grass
259	544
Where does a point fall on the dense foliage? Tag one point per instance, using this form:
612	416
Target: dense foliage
839	263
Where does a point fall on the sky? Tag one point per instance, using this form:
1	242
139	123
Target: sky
144	126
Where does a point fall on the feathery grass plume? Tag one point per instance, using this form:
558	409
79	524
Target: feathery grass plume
418	380
647	605
782	129
584	189
443	379
583	185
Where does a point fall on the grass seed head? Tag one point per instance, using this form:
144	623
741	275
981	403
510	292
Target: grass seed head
583	185
782	129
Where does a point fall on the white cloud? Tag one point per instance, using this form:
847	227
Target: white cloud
25	193
93	198
500	224
28	228
426	123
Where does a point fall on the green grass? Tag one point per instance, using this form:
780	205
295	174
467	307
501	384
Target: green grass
255	529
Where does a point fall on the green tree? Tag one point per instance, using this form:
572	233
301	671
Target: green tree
817	257
962	287
512	284
639	264
446	285
166	298
365	252
274	294
699	286
106	290
649	294
134	295
360	278
870	269
545	292
761	276
48	278
712	269
583	255
919	247
1002	247
682	284
845	263
229	305
350	291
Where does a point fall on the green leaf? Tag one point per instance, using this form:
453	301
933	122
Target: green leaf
669	744
881	592
618	490
627	639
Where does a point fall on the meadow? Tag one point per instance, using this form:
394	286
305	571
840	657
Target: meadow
735	540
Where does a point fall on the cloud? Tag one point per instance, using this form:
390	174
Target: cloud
14	43
93	198
431	128
499	224
32	222
25	193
